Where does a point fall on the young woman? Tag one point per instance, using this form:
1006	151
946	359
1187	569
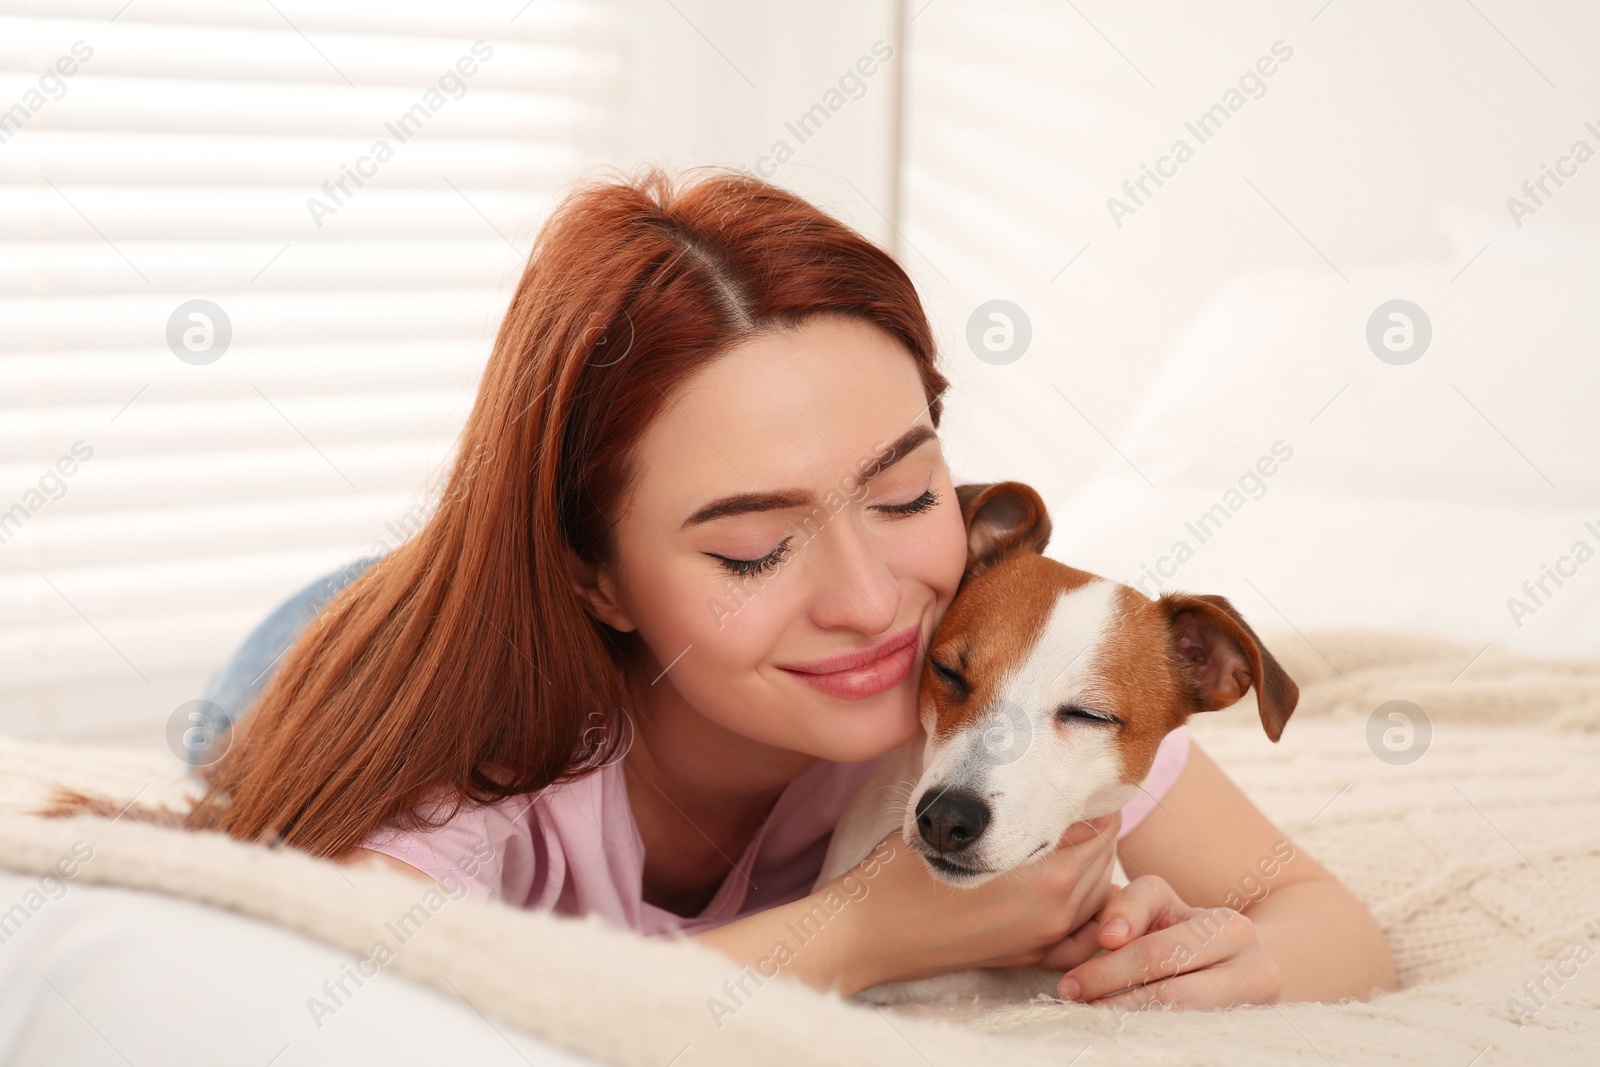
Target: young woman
670	612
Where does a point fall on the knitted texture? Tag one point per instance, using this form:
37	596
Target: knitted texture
1479	860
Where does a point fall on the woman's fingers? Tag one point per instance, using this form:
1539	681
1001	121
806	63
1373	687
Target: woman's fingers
1078	947
1211	936
1216	987
1147	903
1076	875
1072	937
1079	832
1080	842
1016	920
1092	888
1098	891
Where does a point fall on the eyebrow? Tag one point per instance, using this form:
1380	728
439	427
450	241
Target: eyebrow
747	503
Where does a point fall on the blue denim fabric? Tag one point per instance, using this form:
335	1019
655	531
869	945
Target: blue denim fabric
234	686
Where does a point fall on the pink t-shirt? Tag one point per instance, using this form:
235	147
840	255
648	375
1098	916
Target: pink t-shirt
574	849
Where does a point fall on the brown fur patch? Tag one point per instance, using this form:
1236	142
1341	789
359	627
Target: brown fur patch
994	620
1137	668
1005	601
999	614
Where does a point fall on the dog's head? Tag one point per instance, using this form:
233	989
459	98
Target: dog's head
1047	691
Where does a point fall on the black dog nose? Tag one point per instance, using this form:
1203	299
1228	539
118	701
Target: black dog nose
952	820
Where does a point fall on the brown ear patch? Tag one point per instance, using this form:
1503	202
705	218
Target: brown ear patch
1136	672
1001	517
1220	657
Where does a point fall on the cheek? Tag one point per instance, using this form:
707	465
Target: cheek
713	638
937	554
954	560
1095	765
725	622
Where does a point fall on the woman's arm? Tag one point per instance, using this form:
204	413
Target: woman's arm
1206	847
802	940
889	920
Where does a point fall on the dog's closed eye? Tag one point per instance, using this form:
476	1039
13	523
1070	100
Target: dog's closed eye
953	678
1069	712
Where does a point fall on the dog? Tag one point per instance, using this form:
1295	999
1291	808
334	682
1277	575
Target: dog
1045	693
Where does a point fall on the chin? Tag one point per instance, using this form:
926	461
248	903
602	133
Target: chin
863	733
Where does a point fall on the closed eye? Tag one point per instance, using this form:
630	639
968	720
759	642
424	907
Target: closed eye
770	562
1067	712
951	677
911	507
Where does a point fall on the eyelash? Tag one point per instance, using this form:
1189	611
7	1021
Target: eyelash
913	507
780	555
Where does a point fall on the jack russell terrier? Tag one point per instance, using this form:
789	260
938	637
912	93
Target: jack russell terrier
1044	696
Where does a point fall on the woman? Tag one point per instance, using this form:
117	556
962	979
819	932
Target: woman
607	676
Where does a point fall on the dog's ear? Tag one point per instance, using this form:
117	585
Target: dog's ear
1001	517
1221	657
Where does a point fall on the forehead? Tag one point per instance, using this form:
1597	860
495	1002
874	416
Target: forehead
796	408
1034	631
1017	619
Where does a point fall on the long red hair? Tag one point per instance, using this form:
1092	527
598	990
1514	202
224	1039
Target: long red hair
464	663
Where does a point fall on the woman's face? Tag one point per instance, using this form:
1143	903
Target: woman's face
792	539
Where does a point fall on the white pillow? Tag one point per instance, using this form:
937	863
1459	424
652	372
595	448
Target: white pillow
1501	407
1457	494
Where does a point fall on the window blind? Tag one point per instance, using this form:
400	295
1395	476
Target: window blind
252	257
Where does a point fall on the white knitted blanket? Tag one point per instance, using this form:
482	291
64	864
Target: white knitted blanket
1480	859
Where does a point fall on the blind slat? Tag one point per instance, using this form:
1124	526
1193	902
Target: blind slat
88	322
396	115
548	20
161	213
110	376
303	162
280	54
131	535
295	469
71	268
157	426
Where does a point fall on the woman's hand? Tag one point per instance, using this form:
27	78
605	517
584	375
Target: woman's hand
1160	951
914	926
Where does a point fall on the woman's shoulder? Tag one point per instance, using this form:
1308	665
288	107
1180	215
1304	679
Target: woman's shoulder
504	850
1171	757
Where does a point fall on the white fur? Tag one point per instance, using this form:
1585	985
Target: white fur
1038	776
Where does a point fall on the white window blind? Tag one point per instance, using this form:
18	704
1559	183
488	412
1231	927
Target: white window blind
355	186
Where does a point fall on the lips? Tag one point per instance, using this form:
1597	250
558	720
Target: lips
864	672
860	657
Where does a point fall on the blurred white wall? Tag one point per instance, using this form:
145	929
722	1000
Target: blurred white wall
734	83
1394	134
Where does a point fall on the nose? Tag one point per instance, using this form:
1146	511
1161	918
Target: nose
951	820
855	587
